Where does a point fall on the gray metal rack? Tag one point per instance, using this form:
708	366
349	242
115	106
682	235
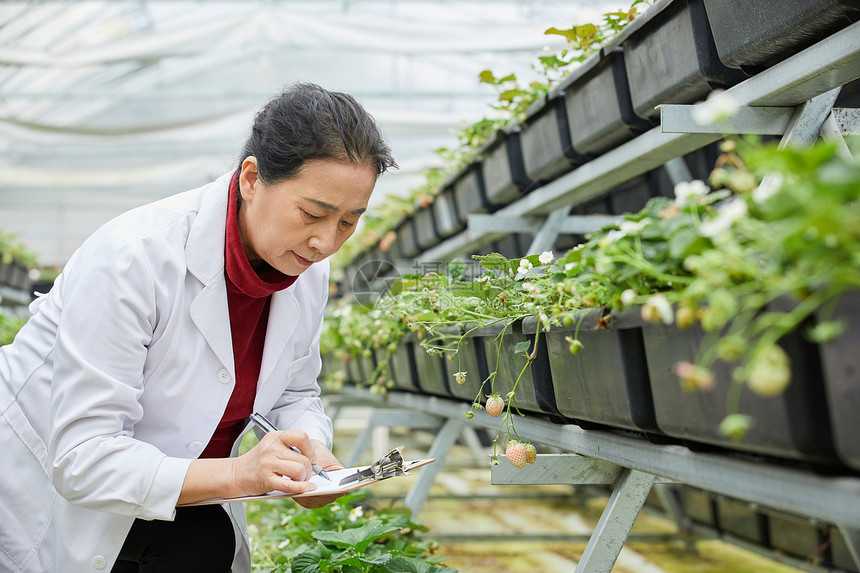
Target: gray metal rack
632	465
793	98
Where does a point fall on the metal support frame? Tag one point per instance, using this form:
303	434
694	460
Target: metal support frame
441	447
386	418
573	224
668	496
677	170
633	465
851	536
833	499
631	490
753	120
615	523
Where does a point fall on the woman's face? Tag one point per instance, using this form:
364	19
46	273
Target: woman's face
292	224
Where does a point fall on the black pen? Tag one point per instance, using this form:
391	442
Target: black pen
264	424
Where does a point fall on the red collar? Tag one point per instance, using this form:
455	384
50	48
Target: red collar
236	264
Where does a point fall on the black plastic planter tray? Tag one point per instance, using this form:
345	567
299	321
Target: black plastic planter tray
368	367
512	246
840	362
670	57
431	371
607	382
792	425
469	193
448	221
752	35
354	373
472	361
630	196
545	140
407	244
401	366
425	228
534	391
597	98
502	168
742	520
15	275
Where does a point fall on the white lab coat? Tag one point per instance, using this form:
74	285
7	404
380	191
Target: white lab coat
121	376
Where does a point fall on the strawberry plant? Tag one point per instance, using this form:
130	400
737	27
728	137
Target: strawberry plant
718	258
9	327
348	535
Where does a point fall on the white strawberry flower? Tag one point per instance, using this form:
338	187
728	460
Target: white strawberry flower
656	308
728	215
689	190
718	107
525	266
546	257
632	227
628	296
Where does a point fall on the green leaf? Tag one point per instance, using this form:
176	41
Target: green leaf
468	289
359	537
494	262
457	270
522	347
306	563
569	34
487	77
381	559
402	564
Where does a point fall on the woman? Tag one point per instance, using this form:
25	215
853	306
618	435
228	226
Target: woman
128	390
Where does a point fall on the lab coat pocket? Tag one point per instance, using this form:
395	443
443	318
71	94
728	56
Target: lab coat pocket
28	495
299	363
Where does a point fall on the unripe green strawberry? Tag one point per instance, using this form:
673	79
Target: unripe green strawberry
495	405
516	454
531	453
770	372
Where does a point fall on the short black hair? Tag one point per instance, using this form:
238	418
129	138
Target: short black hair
306	122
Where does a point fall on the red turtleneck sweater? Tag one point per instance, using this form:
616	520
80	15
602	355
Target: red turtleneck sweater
248	296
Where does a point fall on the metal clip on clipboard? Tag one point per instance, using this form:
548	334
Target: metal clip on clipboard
387	466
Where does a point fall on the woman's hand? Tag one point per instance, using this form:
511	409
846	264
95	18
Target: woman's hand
272	465
268	466
326	460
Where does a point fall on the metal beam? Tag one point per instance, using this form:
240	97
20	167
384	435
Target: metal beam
557	469
831	498
747	120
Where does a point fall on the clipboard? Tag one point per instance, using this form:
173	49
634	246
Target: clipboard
342	481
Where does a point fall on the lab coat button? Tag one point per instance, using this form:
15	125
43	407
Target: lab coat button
99	562
224	376
195	447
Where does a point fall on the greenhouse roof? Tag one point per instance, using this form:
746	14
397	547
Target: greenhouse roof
108	105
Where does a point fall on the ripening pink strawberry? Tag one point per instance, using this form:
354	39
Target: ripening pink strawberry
515	452
531	453
495	405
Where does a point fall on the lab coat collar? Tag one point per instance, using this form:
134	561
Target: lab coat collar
205	247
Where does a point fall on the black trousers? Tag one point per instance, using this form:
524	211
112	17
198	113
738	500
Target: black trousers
199	539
